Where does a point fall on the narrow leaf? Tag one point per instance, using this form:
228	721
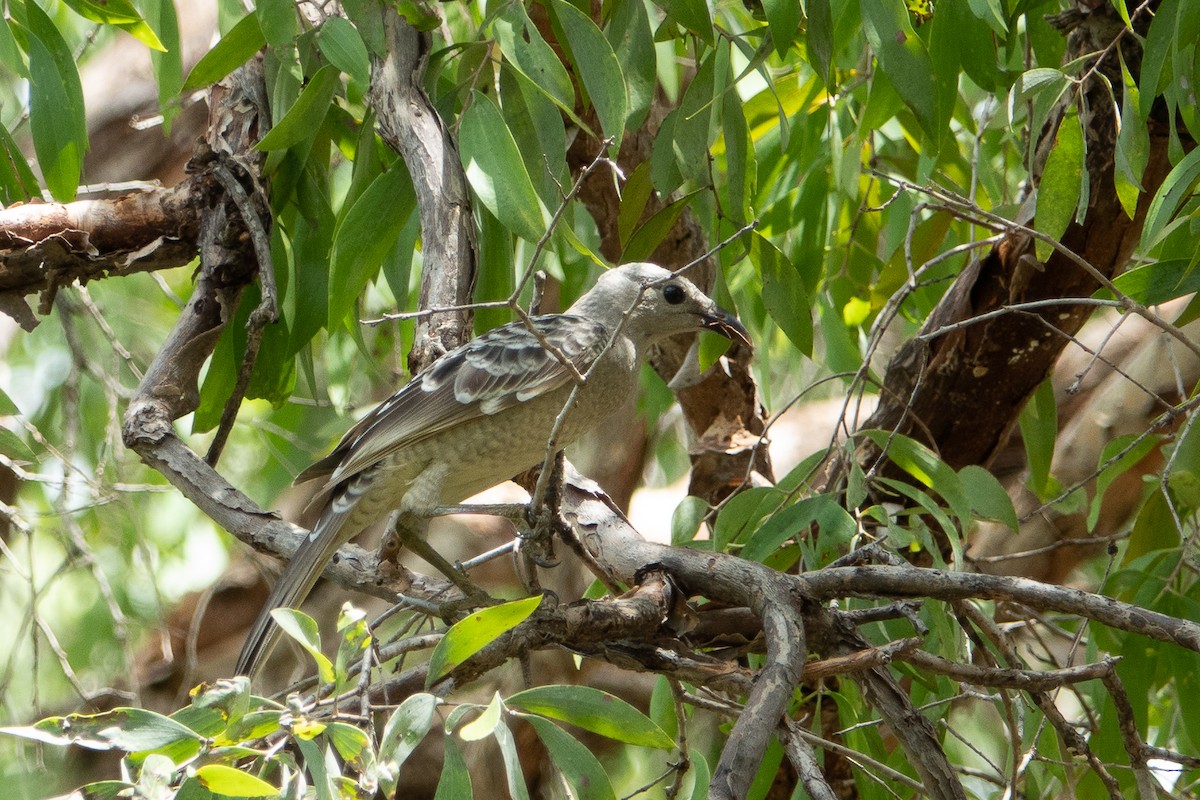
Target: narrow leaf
1174	190
231	782
597	65
595	711
989	500
783	293
905	60
304	630
56	114
581	770
341	43
525	49
494	168
235	48
1059	190
783	20
364	236
404	731
455	780
471	634
1039	427
304	118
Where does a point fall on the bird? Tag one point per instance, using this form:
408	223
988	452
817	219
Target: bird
484	412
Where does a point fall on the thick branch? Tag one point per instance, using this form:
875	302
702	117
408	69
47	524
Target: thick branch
411	125
47	245
961	392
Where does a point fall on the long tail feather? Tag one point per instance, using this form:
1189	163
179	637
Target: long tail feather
296	582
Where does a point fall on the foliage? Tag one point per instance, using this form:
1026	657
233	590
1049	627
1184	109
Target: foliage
855	156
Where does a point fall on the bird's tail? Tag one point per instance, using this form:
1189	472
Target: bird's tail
294	584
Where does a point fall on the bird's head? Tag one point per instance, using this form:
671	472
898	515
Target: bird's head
656	303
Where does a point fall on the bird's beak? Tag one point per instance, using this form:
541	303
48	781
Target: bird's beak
721	321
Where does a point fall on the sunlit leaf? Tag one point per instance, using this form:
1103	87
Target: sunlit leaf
231	782
496	172
474	632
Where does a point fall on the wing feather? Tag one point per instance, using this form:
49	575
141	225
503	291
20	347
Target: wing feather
500	369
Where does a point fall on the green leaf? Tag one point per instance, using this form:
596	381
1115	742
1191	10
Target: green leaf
133	730
1175	189
317	760
820	40
235	48
10	52
686	520
167	65
1160	40
695	16
783	292
404	731
1153	529
597	65
14	446
1152	284
303	629
7	407
595	711
742	513
231	782
1137	451
629	34
905	61
741	165
341	43
1061	185
495	170
277	18
56	115
455	780
783	20
535	120
1133	146
485	724
524	47
16	177
923	464
989	499
581	770
701	776
517	789
651	233
121	14
1039	427
662	707
835	529
305	116
364	235
472	633
694	128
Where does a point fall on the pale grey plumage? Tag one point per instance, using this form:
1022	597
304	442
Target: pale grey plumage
483	413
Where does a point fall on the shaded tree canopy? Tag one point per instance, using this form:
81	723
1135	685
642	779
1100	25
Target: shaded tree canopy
933	537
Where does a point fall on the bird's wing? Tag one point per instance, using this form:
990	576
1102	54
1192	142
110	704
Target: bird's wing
502	368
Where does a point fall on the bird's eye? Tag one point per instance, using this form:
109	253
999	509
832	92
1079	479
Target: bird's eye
673	293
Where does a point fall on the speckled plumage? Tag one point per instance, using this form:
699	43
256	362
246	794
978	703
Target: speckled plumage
483	413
